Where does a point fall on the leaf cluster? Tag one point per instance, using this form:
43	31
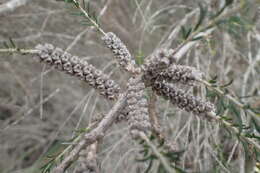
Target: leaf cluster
231	113
92	17
173	157
189	33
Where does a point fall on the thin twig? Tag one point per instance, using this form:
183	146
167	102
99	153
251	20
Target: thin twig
236	131
96	25
229	97
162	159
94	135
17	50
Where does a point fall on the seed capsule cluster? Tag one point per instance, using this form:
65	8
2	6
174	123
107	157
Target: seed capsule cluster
120	52
138	117
158	72
80	68
183	100
158	62
180	73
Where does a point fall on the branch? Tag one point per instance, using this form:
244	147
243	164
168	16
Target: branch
95	134
234	130
229	97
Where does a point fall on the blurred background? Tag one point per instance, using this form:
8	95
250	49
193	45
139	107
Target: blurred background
41	108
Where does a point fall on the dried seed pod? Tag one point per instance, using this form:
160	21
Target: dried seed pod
180	73
77	67
156	63
138	118
120	52
46	51
182	99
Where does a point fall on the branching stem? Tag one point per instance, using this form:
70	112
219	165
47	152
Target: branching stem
236	131
95	24
229	97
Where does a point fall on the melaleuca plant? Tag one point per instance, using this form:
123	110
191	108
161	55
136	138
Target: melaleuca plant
160	75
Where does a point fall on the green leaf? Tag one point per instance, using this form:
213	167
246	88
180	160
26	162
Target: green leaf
48	167
228	2
152	137
86	23
149	166
6	45
68	1
203	13
179	170
197	38
77	14
234	110
225	85
149	157
213	80
12	43
76	4
246	149
161	143
252	136
185	32
174	156
256	125
211	94
142	142
161	169
226	118
221	105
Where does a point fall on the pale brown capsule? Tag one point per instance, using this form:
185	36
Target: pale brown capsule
77	67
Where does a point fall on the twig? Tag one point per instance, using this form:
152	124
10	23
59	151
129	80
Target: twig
229	97
234	130
18	50
75	140
162	159
96	25
95	134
